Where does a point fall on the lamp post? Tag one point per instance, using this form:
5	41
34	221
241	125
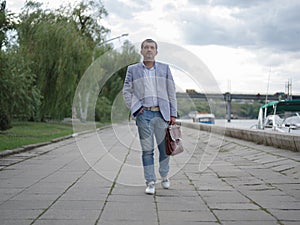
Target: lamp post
103	42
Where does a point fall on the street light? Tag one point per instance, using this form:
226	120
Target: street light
101	43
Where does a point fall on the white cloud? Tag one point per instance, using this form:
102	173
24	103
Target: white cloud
261	24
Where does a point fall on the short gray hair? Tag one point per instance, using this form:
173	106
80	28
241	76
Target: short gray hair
150	41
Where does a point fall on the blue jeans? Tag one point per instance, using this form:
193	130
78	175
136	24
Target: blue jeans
152	124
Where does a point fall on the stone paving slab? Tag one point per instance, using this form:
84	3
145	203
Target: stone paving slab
96	179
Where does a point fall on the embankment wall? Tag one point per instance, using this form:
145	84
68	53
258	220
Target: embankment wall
287	141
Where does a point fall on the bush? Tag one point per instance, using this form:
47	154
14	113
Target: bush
5	121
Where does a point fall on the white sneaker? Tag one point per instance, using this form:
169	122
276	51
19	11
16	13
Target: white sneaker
150	190
165	183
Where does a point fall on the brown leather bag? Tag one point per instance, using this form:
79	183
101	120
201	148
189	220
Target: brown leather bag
173	140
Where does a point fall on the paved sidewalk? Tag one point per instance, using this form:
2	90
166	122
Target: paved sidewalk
97	179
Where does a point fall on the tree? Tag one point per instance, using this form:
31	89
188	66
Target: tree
6	23
17	91
59	44
4	27
41	72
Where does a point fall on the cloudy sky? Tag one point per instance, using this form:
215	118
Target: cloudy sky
244	43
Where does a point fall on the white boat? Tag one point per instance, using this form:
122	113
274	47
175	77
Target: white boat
206	118
281	116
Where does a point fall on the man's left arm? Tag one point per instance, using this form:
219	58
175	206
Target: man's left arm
172	96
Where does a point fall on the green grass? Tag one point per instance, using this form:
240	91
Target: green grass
25	133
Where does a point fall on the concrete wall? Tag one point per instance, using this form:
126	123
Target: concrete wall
279	140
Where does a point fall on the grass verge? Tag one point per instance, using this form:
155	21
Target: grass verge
25	133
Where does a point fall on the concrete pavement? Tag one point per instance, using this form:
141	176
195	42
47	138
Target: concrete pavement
96	179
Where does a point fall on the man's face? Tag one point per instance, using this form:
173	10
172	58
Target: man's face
149	51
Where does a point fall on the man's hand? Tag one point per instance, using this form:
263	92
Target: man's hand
141	111
172	120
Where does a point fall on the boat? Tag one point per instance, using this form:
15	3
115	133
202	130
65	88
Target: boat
281	116
206	118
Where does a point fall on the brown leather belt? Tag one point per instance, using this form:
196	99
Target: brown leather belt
153	109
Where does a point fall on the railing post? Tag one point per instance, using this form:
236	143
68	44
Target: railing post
228	106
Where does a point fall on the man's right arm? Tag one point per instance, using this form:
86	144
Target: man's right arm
131	100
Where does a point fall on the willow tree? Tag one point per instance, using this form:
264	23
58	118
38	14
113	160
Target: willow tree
5	25
18	93
59	46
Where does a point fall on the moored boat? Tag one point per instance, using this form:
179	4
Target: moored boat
281	116
206	118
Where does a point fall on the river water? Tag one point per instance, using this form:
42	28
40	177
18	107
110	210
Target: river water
245	124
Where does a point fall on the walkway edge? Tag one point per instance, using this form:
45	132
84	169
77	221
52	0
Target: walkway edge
268	138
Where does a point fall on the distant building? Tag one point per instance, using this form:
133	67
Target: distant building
191	91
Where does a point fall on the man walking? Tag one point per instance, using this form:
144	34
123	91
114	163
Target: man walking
149	92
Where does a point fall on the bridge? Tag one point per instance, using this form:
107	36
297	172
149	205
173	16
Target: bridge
228	97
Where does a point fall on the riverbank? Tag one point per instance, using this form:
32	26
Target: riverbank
287	141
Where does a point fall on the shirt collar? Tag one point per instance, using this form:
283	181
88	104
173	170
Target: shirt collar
154	66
